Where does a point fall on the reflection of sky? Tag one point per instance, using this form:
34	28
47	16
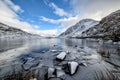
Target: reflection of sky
35	46
17	48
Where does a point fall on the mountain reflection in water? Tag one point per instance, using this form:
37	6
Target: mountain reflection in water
102	59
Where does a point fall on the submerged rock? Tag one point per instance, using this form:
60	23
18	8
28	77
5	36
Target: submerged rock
29	64
34	79
109	41
61	56
43	73
68	52
66	68
50	73
84	64
55	79
75	45
54	51
59	72
53	73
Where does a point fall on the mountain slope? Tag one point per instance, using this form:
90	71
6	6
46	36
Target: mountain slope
77	29
108	28
14	33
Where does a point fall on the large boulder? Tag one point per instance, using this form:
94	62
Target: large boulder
73	66
61	56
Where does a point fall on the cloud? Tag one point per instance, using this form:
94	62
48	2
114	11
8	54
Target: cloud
46	2
64	22
59	11
14	7
8	15
95	9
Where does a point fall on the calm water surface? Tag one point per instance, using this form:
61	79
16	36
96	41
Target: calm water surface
14	52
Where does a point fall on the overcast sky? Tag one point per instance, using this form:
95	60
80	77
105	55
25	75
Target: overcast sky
51	17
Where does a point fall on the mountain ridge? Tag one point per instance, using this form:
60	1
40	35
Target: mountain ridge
7	31
108	27
78	28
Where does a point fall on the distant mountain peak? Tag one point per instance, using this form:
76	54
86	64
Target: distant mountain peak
78	28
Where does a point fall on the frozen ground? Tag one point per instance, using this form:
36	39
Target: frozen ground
82	59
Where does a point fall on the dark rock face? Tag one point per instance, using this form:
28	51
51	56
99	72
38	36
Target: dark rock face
108	27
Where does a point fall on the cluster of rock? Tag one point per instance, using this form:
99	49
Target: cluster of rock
59	70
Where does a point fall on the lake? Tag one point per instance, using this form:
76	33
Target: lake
98	59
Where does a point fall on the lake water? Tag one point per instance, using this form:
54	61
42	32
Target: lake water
14	54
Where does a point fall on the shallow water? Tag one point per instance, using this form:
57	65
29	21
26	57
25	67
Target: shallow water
13	53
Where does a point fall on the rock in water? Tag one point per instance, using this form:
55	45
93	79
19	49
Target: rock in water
43	73
29	64
55	78
72	67
51	72
33	79
59	72
54	51
61	56
84	64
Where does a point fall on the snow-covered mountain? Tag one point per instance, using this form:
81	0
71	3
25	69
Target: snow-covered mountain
14	33
108	28
77	29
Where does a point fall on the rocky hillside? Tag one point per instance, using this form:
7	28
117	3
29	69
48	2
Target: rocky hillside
108	28
77	29
14	33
